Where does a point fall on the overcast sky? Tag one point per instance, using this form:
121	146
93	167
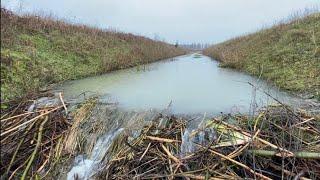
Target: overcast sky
186	21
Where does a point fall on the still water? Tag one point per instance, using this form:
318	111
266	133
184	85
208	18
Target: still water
191	84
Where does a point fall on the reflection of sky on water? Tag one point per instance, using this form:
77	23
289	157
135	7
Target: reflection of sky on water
194	85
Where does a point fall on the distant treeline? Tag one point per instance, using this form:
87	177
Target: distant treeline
195	46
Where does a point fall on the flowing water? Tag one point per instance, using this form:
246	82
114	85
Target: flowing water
84	168
191	84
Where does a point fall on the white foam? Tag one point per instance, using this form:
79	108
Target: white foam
85	168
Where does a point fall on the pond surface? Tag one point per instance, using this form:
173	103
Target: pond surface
191	84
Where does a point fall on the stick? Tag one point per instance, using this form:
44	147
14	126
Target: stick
35	149
176	160
31	120
145	152
161	139
240	164
12	117
12	174
17	149
259	139
310	119
64	105
300	154
288	173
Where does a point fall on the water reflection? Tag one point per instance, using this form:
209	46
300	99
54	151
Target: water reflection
194	85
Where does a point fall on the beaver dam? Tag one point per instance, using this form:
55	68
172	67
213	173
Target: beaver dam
53	136
99	141
220	148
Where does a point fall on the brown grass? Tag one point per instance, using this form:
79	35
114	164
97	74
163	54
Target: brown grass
39	50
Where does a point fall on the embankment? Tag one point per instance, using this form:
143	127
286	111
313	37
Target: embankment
37	51
287	54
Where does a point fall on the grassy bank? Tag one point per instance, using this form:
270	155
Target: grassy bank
287	54
37	51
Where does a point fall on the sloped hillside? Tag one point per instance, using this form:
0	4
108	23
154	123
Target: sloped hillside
287	54
37	51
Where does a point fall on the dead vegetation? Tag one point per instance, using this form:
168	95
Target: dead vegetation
32	136
278	143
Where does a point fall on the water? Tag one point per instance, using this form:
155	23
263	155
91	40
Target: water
84	168
197	133
192	85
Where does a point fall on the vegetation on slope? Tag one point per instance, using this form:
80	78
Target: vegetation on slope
37	51
287	54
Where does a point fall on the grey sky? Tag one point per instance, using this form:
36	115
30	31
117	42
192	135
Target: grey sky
205	21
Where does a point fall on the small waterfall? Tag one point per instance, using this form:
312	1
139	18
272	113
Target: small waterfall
200	138
186	144
86	167
202	135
